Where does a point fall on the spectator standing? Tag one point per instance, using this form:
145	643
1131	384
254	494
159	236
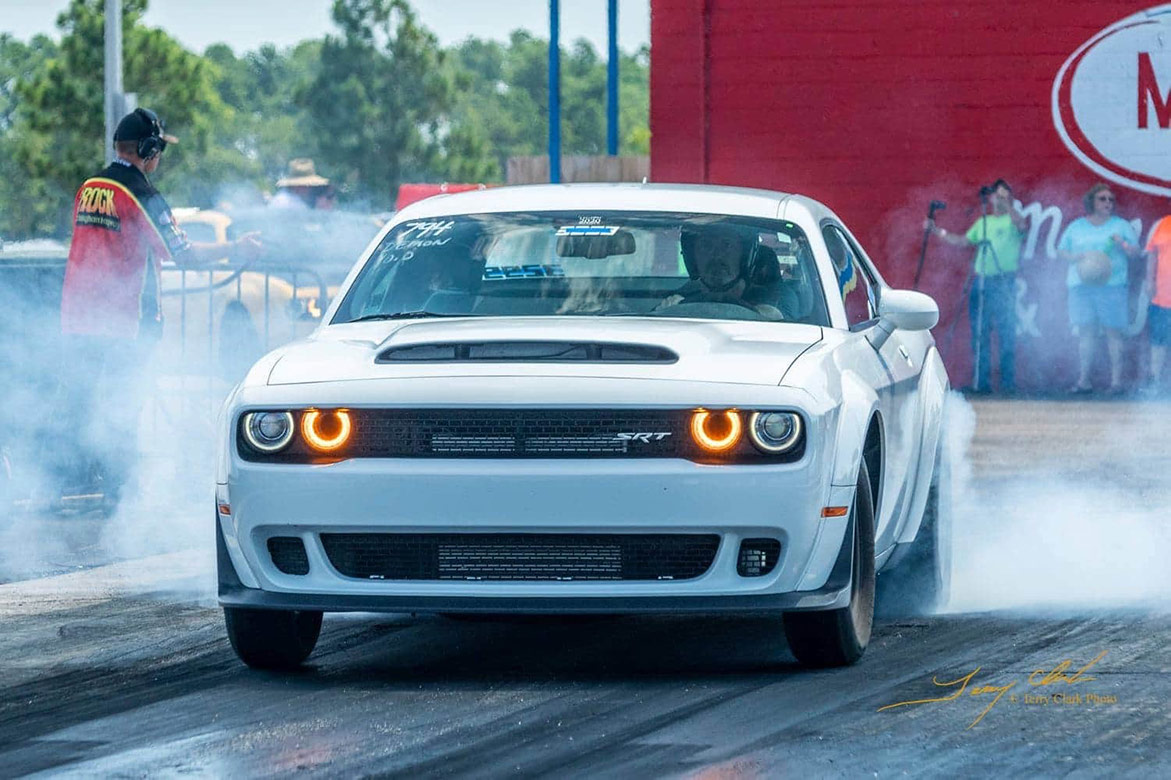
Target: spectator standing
111	315
992	299
301	188
1097	247
1159	313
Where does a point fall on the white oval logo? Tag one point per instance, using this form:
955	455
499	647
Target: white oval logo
1112	102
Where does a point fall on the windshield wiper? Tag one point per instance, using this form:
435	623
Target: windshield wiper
406	315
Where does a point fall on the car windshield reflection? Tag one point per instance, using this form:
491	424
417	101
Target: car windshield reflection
590	264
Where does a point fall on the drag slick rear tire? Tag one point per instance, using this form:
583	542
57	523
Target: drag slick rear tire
272	638
838	637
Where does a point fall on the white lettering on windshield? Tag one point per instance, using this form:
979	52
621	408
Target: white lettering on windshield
420	243
426	229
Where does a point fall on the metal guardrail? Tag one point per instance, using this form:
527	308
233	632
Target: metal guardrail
196	302
293	275
288	274
189	378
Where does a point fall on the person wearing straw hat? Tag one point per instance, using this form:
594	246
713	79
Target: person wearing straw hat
300	188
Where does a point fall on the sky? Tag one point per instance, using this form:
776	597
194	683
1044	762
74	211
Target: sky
245	24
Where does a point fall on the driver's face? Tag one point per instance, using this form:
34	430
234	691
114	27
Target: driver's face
718	257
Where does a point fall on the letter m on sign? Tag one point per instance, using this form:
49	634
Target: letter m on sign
1148	88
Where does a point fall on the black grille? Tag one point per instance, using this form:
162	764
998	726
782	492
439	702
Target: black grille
288	554
521	556
521	433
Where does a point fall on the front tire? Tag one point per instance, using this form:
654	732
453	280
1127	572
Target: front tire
272	638
838	637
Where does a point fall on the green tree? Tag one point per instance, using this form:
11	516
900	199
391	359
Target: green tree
380	101
57	134
507	96
19	212
376	103
269	124
634	102
17	62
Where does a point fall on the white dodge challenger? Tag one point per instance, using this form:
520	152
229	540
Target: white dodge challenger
593	399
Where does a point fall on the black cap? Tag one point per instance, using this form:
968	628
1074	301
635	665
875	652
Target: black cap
139	124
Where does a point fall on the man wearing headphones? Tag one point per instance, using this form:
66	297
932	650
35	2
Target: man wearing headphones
122	231
111	312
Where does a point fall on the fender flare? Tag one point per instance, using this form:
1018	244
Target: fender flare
933	389
858	407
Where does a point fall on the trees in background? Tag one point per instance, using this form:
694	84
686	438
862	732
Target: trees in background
381	102
376	102
506	96
268	125
56	134
21	213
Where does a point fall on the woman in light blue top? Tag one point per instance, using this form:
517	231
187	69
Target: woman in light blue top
1097	302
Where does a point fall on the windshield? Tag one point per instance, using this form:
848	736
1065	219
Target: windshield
593	264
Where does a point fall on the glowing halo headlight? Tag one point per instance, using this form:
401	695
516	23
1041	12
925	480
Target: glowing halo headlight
716	432
268	431
774	432
326	431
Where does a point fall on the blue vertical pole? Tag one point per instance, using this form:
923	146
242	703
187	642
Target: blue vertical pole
555	91
612	83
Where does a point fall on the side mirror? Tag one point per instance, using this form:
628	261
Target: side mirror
908	310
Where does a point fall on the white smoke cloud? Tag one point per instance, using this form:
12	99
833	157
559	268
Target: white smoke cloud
1044	519
168	504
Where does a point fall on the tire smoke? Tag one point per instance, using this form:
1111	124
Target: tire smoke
1059	505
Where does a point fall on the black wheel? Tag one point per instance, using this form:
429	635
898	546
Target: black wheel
838	637
272	638
921	583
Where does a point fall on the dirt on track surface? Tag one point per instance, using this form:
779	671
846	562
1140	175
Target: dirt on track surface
125	670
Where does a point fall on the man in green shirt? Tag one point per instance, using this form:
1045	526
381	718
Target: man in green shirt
992	299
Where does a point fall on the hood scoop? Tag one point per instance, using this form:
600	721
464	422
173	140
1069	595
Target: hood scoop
527	352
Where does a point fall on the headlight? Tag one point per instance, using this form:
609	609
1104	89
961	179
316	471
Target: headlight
716	432
326	431
774	432
268	431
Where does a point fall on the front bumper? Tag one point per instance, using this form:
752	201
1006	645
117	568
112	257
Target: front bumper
834	594
655	496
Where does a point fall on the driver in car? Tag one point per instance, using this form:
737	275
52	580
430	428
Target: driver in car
718	260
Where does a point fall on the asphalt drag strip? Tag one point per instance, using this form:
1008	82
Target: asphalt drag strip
125	670
129	685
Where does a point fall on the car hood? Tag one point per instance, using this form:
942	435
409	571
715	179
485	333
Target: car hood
757	353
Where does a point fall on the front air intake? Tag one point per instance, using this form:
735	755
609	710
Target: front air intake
521	557
288	554
527	352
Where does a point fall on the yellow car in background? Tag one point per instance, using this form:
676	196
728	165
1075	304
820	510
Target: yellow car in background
220	319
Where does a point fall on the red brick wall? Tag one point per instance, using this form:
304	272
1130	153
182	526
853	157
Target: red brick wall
876	107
